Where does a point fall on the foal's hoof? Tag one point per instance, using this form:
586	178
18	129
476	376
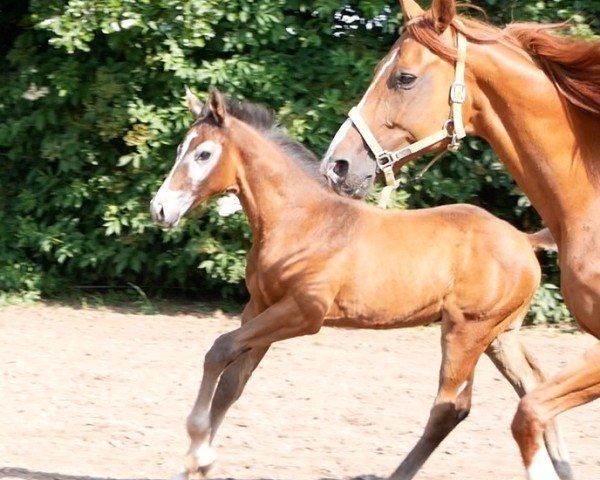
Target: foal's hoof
181	476
204	470
201	461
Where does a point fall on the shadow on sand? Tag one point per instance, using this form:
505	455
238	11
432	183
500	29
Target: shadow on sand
25	474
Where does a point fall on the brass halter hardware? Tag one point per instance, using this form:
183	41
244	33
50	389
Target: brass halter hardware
452	129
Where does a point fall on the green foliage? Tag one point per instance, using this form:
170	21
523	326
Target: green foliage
548	306
91	102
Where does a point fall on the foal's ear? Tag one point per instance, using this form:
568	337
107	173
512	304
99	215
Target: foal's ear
410	9
194	104
217	106
443	13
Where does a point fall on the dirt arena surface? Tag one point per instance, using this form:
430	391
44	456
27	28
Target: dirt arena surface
99	394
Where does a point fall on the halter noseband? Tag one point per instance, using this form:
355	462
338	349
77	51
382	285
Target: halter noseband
453	128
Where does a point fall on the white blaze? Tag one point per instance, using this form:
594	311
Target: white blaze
176	202
343	130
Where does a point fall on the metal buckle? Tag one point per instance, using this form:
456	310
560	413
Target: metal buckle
458	93
384	160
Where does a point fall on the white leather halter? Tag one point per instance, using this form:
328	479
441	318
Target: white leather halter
452	129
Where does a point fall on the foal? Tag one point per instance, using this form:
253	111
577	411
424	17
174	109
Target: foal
318	258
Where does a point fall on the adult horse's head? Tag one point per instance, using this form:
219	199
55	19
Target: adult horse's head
407	110
204	167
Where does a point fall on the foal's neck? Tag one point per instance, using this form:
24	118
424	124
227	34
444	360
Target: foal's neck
273	186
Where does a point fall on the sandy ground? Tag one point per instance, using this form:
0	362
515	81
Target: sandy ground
100	394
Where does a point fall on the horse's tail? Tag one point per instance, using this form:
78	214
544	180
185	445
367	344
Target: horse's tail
542	240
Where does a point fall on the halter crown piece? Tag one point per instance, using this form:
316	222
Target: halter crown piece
453	128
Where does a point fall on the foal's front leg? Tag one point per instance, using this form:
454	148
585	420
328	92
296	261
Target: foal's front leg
201	455
202	425
290	317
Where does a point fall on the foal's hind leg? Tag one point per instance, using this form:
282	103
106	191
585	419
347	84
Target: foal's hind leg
462	346
512	360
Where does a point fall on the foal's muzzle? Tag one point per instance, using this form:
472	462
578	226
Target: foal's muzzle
158	214
165	216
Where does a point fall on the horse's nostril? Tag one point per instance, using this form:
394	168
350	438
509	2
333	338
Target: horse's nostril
156	211
341	167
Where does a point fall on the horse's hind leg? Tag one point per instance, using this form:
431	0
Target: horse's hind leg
510	357
462	346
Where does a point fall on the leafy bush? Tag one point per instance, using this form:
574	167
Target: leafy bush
548	306
91	93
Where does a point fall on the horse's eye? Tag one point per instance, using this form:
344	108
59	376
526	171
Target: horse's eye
405	80
203	155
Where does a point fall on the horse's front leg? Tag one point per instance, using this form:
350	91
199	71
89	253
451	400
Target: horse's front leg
232	358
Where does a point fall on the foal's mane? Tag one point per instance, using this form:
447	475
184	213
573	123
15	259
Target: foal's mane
572	65
264	121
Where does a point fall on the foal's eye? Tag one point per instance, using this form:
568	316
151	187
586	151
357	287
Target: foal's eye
405	80
203	155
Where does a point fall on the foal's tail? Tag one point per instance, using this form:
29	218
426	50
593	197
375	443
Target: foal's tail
542	240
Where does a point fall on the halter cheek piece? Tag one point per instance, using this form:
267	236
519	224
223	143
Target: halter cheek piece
452	129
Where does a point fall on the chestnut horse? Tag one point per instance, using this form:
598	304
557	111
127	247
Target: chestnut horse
319	258
535	98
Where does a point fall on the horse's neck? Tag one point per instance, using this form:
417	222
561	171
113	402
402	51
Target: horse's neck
549	147
271	183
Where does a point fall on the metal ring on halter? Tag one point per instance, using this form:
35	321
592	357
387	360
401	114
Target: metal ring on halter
385	159
455	142
449	127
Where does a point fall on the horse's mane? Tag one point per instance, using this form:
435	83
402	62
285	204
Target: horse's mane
572	65
264	121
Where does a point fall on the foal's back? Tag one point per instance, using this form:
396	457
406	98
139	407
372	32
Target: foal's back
408	267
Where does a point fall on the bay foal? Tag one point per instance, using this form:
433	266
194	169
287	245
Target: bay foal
318	258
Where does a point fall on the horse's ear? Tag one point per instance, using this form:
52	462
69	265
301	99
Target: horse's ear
410	9
194	104
443	13
217	106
